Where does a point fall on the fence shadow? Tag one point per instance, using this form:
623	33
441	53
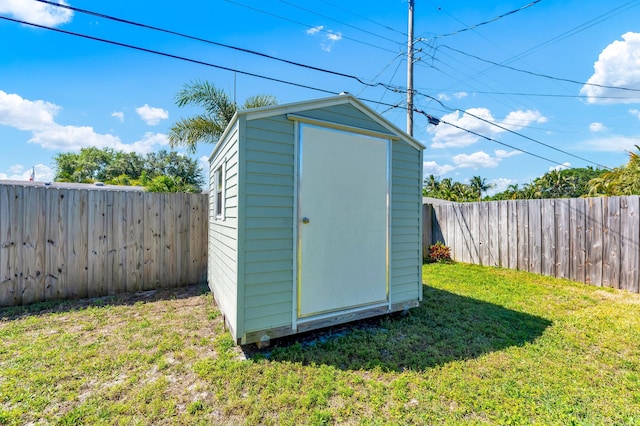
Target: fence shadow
71	305
446	327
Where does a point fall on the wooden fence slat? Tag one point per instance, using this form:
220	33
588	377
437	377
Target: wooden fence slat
26	247
457	247
535	237
77	244
152	243
548	236
523	234
629	226
483	232
503	234
593	243
7	247
563	249
97	233
512	217
606	240
612	270
203	220
427	235
493	234
577	238
135	241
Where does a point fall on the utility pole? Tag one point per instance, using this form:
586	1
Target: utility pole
410	72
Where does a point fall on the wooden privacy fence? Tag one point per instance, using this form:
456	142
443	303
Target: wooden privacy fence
592	240
71	243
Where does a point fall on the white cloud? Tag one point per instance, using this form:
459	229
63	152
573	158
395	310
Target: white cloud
443	97
38	117
563	166
36	12
24	114
20	172
460	95
315	30
499	185
476	160
618	65
596	127
481	159
328	37
119	115
446	136
151	115
635	113
433	168
517	120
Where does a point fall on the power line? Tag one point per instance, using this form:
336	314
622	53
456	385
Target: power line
514	132
330	33
436	121
473	27
364	17
168	55
338	21
129	46
240	49
545	95
537	74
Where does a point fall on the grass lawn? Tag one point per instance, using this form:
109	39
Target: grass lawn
486	346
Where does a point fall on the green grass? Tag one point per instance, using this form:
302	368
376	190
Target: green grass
487	346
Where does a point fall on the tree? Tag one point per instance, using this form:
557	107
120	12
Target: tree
624	180
218	111
480	185
122	168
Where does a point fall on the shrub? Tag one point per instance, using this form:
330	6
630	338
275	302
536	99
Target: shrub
439	252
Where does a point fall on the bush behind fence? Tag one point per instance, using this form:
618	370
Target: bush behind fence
591	240
60	243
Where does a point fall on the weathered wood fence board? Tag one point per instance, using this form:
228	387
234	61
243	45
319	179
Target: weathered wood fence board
60	243
591	240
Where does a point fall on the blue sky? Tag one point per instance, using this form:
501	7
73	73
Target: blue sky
517	80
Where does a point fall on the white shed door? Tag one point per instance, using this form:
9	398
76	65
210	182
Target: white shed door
342	221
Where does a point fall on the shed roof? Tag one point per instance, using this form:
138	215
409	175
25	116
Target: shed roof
298	107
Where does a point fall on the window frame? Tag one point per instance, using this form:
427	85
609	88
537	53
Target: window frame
219	189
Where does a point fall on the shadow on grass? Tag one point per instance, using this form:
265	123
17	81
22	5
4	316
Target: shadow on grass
57	306
445	327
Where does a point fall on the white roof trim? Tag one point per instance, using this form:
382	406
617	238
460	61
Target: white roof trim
297	107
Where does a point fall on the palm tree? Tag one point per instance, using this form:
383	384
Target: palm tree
480	185
218	112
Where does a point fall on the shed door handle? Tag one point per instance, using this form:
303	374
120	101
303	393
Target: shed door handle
305	220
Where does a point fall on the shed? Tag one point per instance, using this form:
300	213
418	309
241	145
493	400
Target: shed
315	218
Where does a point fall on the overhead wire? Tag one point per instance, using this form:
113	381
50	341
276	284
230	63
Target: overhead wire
434	120
215	43
512	131
330	33
392	106
473	27
364	17
567	80
338	21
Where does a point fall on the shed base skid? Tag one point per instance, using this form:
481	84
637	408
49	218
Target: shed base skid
264	337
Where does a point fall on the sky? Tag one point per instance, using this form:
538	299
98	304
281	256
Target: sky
519	87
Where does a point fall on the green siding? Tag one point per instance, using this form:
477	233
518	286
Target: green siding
406	205
268	257
223	234
345	115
